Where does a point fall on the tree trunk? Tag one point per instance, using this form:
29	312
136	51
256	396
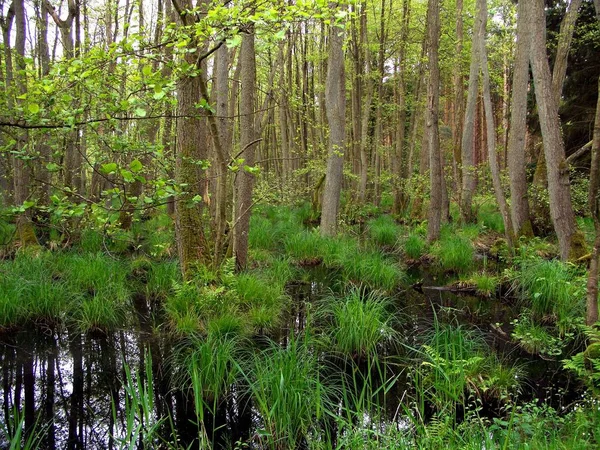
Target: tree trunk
468	136
591	316
570	241
433	100
519	203
21	171
459	99
335	98
192	146
491	136
245	177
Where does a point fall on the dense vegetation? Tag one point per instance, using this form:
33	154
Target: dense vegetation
294	225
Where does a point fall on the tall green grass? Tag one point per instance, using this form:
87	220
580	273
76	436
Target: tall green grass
455	252
373	269
358	323
550	287
414	246
383	231
289	392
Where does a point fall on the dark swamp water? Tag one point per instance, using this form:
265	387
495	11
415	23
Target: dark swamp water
71	388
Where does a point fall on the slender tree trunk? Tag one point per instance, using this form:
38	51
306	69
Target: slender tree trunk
433	100
591	316
335	98
570	241
468	136
519	203
491	136
223	154
459	99
245	177
21	171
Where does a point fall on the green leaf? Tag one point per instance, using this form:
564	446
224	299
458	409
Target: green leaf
136	166
147	71
109	168
159	95
140	112
34	108
52	167
127	176
233	41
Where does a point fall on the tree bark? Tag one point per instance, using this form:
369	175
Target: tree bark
491	135
561	210
335	98
519	203
192	147
433	100
591	316
468	135
245	177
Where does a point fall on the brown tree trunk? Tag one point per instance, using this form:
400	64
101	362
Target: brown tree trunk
433	100
245	177
468	135
591	316
519	203
570	241
335	98
491	135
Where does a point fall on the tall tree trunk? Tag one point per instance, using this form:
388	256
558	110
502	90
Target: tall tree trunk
192	146
591	316
245	177
519	204
468	136
335	98
570	241
21	171
433	100
223	154
491	135
399	163
459	99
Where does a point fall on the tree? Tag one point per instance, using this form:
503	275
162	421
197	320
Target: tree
432	122
519	205
570	241
245	176
335	97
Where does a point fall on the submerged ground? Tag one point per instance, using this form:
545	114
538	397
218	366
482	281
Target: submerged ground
370	340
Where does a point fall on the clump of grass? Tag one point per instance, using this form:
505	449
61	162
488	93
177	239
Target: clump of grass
359	323
549	288
161	278
91	241
100	314
92	273
372	269
182	309
261	233
279	270
414	246
12	311
383	231
455	253
213	367
253	290
305	246
491	219
46	301
288	392
485	284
